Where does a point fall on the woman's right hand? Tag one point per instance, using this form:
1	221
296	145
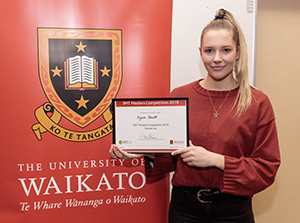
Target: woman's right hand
117	153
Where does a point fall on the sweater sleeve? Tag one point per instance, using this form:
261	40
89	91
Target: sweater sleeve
249	175
158	168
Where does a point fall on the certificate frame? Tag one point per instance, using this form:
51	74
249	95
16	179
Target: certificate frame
150	125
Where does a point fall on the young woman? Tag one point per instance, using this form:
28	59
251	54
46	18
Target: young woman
233	152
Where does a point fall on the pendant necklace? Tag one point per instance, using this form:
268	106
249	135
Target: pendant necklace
216	114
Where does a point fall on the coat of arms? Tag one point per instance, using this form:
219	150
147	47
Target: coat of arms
80	71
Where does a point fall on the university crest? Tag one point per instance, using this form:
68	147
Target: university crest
80	71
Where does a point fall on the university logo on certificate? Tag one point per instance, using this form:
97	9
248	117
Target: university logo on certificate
157	125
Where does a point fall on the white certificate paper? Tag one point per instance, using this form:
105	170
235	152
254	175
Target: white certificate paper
150	125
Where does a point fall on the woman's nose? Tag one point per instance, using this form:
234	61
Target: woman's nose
217	57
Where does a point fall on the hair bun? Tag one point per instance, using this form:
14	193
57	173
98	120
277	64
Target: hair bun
221	14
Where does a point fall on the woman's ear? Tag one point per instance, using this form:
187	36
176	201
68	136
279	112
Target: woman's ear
238	51
200	51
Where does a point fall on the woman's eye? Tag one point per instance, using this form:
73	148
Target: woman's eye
226	50
208	50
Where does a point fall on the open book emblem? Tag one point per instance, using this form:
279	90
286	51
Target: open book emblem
80	71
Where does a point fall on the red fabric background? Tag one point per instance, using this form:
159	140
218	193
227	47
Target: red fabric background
146	40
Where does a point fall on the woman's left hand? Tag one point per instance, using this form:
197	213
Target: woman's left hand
199	157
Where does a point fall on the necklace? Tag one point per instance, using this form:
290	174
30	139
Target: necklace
216	114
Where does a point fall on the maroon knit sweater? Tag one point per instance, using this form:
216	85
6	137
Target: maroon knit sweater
249	143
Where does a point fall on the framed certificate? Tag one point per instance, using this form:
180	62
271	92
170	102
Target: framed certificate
156	125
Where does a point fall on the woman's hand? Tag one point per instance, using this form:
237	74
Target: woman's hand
199	157
117	153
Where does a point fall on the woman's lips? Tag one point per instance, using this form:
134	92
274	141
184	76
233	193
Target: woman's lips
218	67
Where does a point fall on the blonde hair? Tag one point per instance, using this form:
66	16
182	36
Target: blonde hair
225	20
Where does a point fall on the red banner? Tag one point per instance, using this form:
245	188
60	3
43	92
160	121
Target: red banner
61	64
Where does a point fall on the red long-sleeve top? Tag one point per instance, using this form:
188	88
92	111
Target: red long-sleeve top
249	143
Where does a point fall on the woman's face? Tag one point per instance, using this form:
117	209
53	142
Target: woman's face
219	53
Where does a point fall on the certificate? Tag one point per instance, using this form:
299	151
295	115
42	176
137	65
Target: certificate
157	125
